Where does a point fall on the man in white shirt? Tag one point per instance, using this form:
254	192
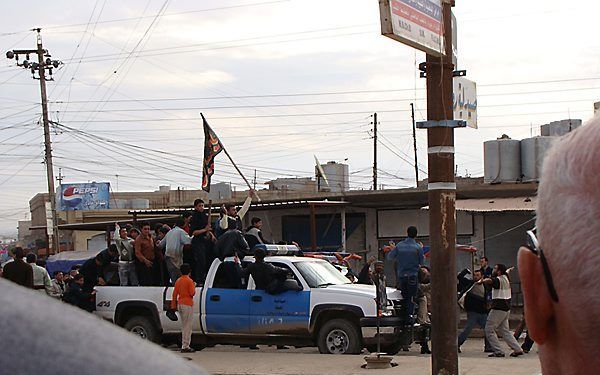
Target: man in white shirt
230	212
41	279
173	243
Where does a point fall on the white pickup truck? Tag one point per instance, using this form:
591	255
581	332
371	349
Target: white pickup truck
329	311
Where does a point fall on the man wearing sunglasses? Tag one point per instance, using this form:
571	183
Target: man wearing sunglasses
559	267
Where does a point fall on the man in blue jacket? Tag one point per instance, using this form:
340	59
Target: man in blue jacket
407	257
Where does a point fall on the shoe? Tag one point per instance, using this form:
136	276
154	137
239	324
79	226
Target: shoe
188	350
516	354
282	347
488	350
460	351
498	355
253	347
425	350
405	348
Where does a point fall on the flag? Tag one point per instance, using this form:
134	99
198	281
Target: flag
212	147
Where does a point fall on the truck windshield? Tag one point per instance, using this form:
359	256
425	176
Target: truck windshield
320	274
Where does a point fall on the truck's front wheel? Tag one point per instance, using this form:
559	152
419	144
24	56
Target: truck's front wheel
143	327
339	336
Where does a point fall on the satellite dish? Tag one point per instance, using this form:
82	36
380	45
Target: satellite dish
320	171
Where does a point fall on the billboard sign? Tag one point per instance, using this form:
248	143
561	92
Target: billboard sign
85	197
465	101
417	23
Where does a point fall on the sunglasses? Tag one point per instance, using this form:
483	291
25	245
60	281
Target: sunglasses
534	247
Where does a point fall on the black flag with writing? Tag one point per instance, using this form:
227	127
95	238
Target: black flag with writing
212	147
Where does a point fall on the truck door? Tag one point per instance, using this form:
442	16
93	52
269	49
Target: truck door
227	304
285	314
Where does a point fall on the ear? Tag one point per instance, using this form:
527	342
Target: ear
539	310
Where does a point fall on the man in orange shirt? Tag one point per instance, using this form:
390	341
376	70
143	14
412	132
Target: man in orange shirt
183	300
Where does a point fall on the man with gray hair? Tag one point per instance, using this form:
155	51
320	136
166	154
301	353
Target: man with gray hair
559	272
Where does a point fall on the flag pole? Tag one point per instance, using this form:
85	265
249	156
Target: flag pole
234	164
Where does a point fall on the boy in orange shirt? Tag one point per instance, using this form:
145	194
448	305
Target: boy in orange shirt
183	300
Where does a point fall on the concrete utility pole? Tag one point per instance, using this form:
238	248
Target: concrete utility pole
40	67
442	198
374	151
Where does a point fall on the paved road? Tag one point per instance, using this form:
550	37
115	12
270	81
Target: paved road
231	360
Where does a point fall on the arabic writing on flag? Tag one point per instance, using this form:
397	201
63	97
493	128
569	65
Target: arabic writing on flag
212	147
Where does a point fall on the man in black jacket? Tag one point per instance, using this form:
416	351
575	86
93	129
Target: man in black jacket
475	304
18	271
77	296
268	277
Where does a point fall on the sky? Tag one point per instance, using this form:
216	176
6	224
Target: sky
278	80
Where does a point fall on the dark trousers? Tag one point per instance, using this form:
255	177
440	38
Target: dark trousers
473	319
200	260
149	276
408	286
528	343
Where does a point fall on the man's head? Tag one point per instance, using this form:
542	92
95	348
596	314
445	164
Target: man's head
180	222
499	270
134	233
78	279
412	232
483	262
256	222
186	216
199	205
378	267
58	276
259	255
146	230
185	269
477	275
163	231
18	253
123	233
231	209
568	231
31	258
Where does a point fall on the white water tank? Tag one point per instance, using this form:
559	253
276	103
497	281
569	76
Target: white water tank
502	160
140	204
559	128
337	176
533	151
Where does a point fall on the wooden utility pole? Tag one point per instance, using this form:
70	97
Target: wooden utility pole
374	151
414	127
44	62
442	197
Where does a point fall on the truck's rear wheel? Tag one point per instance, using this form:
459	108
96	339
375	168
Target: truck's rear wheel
143	327
339	336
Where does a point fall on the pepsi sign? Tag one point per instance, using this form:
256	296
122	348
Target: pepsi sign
85	197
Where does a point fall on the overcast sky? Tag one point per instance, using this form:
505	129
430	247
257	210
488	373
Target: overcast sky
278	81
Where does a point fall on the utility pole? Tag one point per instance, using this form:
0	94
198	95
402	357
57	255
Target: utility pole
442	198
414	127
40	67
254	182
375	151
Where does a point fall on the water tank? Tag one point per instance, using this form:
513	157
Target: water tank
533	151
502	160
559	128
164	188
221	190
337	175
140	204
119	204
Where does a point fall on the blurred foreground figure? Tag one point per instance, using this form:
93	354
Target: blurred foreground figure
559	267
34	324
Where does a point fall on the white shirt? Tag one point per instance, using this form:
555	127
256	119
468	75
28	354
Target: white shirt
41	277
173	243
